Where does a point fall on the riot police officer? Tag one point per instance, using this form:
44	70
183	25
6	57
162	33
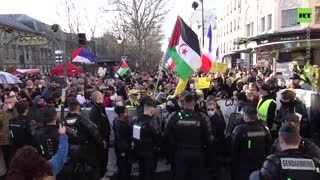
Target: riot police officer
83	139
290	163
306	146
46	139
146	141
188	133
251	143
21	127
122	143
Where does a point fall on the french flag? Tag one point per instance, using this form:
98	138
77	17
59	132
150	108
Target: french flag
206	57
170	61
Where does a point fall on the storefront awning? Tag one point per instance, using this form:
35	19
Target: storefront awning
247	50
287	46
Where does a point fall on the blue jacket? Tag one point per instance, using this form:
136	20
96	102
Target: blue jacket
58	160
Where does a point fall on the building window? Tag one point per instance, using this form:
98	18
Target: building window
235	5
227	9
231	27
263	24
238	23
248	30
289	18
269	22
251	29
227	28
235	25
317	21
231	8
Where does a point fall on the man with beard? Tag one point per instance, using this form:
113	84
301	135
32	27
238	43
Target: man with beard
52	89
99	117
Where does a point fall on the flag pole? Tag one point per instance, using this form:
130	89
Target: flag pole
159	68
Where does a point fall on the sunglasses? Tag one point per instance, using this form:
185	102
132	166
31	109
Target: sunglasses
210	109
135	94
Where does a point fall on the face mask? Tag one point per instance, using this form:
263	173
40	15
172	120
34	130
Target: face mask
119	103
10	106
211	113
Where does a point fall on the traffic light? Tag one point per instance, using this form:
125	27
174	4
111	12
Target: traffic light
82	39
58	56
55	27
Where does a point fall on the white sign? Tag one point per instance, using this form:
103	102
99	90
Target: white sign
136	132
227	107
298	164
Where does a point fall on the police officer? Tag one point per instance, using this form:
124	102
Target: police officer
251	143
306	146
83	139
290	163
21	127
188	133
122	143
267	107
46	139
146	141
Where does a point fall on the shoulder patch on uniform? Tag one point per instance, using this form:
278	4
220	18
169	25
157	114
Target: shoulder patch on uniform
298	164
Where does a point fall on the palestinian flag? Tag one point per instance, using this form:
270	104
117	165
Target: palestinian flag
123	68
184	50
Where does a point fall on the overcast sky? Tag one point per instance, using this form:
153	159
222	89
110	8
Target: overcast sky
46	11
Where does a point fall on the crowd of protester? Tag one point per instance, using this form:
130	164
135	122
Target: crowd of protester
192	135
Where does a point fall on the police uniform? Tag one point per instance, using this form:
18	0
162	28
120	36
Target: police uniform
251	143
83	154
46	140
188	133
289	165
122	145
146	142
22	129
306	146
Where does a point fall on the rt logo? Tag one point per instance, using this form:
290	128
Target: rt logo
304	15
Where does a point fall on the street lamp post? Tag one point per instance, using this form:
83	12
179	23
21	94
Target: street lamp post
195	5
55	28
119	40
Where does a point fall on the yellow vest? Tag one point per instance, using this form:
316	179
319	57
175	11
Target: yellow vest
235	93
263	109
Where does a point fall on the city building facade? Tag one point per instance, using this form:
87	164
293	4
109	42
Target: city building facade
13	54
268	31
